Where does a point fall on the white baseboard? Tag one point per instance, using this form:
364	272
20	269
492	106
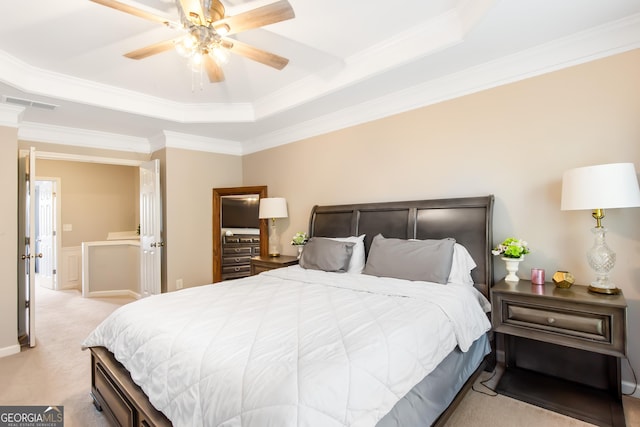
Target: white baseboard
628	387
8	351
114	293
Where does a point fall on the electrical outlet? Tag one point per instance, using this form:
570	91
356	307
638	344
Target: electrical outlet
179	284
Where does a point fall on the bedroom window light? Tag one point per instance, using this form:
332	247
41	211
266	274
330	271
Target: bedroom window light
598	188
273	207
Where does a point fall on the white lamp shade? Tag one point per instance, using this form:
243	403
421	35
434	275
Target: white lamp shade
273	207
607	186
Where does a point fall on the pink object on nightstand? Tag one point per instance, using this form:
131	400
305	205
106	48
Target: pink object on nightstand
537	276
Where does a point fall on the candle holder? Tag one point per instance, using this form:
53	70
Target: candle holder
537	276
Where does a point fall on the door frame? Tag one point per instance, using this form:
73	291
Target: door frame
261	190
26	247
47	155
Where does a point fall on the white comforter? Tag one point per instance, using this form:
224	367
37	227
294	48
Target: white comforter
290	347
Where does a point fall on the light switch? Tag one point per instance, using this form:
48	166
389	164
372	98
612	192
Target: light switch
67	227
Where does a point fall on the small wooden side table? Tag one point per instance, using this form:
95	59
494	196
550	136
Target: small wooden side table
265	263
562	348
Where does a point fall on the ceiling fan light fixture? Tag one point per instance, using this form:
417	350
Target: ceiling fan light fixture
216	11
188	45
204	26
222	29
220	55
190	41
182	50
196	60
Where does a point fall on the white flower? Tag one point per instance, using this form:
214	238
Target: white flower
511	248
300	238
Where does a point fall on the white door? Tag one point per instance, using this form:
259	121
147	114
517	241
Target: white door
26	249
46	233
150	229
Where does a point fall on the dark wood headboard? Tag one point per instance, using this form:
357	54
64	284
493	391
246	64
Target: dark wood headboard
468	220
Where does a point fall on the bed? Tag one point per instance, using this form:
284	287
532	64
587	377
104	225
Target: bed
362	350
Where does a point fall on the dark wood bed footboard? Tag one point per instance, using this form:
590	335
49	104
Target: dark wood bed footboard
125	404
117	396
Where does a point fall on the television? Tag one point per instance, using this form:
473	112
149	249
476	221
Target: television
240	212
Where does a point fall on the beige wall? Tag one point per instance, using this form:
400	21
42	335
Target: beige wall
513	141
95	198
8	239
190	177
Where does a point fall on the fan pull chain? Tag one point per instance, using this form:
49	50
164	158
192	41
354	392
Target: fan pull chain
200	73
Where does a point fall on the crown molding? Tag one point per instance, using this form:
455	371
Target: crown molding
199	143
37	132
102	140
11	115
606	40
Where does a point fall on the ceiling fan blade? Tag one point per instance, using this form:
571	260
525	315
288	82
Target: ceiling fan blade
132	10
191	7
265	15
213	70
255	54
152	49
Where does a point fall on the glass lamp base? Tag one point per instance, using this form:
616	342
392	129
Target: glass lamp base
274	243
601	259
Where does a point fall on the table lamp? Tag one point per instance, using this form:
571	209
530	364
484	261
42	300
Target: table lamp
273	207
598	188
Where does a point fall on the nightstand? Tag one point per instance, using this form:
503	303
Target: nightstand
264	263
562	348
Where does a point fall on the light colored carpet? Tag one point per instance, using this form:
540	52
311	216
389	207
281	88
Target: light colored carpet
491	410
57	372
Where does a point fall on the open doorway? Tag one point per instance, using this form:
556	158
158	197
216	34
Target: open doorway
83	225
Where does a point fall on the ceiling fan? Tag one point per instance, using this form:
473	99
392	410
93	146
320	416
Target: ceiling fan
205	29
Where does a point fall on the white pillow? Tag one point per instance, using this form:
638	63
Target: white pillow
461	266
356	264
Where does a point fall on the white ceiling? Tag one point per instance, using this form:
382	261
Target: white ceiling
350	62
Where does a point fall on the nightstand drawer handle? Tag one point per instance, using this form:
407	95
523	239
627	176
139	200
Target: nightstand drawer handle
551	320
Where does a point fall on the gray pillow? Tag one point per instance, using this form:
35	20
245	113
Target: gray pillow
427	260
327	255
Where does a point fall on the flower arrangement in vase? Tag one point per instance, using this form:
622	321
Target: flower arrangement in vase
513	251
299	240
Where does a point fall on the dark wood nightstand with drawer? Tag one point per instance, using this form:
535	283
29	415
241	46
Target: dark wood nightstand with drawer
264	263
562	348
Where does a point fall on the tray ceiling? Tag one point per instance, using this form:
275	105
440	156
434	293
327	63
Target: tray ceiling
350	62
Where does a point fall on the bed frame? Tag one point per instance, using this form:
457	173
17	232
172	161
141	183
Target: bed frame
468	220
